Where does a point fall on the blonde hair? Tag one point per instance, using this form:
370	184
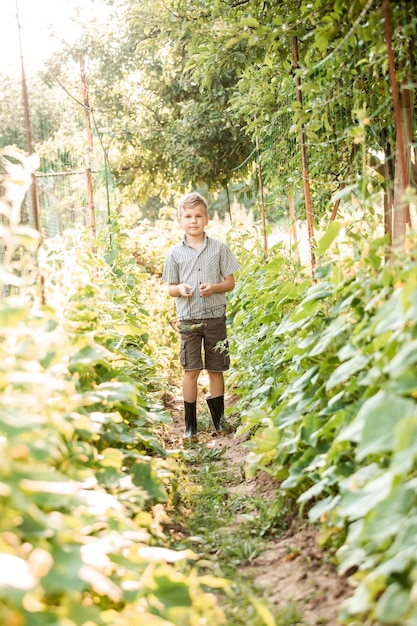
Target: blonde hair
190	200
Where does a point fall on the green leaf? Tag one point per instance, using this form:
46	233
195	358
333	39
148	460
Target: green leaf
329	236
329	334
405	448
357	502
391	315
90	355
314	491
385	519
81	614
171	593
322	507
130	329
112	458
249	21
319	291
405	358
393	605
12	316
111	393
380	415
65	572
267	440
350	556
346	370
145	476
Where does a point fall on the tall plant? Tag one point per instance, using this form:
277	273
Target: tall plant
84	472
326	375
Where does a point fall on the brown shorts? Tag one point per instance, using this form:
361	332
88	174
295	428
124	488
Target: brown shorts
205	334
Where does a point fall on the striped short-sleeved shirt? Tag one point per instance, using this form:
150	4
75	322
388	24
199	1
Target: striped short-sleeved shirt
211	263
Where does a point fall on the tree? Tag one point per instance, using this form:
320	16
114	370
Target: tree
343	72
163	128
183	91
45	112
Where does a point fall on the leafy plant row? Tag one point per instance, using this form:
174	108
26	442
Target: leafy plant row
326	373
84	475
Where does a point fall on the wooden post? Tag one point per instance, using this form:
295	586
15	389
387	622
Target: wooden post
29	147
400	217
89	147
337	203
261	191
389	176
306	180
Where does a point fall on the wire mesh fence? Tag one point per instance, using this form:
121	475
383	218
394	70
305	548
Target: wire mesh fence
63	202
54	117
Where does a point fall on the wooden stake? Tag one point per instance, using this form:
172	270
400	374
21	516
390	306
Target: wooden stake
306	179
29	149
28	129
89	147
401	176
261	191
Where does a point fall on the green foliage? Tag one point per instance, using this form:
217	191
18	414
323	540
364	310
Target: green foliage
182	91
326	375
46	112
162	129
84	472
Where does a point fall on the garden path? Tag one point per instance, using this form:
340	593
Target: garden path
293	568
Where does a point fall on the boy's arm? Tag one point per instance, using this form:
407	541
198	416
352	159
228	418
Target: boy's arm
227	284
183	290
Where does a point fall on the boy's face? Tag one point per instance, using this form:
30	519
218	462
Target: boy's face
193	220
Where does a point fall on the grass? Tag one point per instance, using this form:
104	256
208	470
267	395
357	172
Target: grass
229	531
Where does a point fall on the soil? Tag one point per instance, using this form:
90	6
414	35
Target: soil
293	569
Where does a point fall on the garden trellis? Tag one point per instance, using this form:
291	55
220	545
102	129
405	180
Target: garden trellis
72	184
73	180
346	123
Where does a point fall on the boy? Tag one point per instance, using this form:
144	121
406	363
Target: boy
200	271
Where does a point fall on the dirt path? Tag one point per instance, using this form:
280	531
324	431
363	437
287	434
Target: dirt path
292	569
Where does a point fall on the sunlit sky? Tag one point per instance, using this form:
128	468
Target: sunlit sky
36	18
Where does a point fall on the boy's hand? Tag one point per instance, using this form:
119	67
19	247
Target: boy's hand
206	290
185	290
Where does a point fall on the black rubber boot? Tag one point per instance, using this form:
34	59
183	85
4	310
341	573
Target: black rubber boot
190	411
216	406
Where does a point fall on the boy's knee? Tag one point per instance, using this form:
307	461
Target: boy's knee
215	374
191	374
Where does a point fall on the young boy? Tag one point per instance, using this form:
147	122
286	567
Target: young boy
200	270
